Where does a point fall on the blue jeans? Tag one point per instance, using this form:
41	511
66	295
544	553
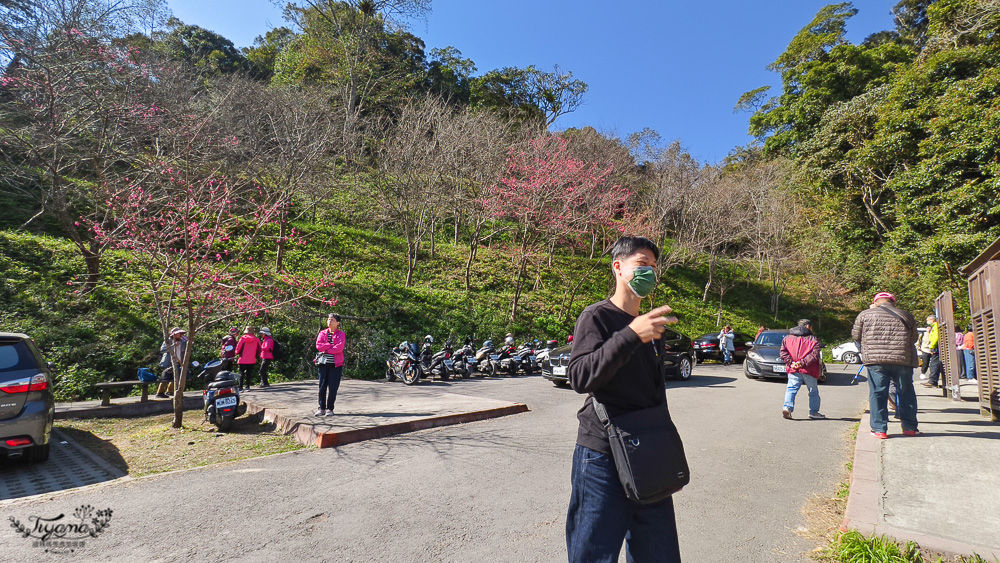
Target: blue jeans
795	380
727	355
879	376
601	517
329	382
970	363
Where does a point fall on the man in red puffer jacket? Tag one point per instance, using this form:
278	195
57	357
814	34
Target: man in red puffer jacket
800	352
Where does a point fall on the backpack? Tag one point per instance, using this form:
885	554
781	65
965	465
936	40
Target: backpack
145	375
279	351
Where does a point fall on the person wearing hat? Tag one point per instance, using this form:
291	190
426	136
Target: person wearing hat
247	352
266	354
887	335
228	353
177	344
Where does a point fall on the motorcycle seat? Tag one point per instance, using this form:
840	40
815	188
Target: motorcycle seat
222	383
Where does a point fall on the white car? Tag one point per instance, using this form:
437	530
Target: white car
847	353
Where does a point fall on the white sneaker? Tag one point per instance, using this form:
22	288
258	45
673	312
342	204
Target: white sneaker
320	412
329	412
923	376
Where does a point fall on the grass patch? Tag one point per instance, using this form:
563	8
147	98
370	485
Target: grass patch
855	547
148	445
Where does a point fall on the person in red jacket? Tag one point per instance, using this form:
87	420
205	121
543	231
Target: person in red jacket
800	352
266	354
247	352
228	351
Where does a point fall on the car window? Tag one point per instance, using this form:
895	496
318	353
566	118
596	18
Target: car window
670	335
770	339
15	356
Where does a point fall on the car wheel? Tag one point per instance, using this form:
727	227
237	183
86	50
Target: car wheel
684	369
37	454
851	358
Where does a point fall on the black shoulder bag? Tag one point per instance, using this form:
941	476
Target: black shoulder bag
648	452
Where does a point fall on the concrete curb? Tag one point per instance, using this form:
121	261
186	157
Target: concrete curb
127	409
307	433
865	507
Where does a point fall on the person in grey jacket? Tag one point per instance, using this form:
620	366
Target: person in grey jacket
887	334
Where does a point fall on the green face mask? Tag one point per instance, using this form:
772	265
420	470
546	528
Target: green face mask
643	281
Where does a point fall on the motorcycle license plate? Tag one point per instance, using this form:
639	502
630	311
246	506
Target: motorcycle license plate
780	368
222	402
558	370
450	364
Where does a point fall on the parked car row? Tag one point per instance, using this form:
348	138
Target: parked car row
678	359
849	353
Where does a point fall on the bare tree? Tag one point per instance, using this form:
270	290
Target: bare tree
410	163
286	136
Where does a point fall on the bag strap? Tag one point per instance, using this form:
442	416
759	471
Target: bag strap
602	413
900	317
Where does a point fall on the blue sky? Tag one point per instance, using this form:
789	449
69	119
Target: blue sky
675	66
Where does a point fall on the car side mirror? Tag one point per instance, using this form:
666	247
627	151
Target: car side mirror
749	344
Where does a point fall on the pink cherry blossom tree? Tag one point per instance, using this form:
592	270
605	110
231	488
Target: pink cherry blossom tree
551	196
195	248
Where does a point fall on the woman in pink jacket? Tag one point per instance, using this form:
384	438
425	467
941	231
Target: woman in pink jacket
330	362
266	354
247	352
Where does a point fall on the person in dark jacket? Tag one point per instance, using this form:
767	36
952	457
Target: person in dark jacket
800	352
228	352
615	360
887	335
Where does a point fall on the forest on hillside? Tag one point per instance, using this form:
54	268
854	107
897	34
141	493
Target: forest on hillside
199	181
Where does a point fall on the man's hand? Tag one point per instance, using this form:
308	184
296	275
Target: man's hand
796	365
651	325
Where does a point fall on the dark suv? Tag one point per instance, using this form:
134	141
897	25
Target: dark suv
678	359
27	405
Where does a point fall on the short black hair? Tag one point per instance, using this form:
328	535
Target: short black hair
627	246
333	316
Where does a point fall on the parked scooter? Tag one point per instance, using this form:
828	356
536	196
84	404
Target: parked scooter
404	363
222	396
543	354
440	364
528	362
480	363
504	361
465	359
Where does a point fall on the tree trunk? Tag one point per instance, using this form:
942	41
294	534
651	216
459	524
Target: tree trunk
180	377
433	225
411	262
517	288
711	272
282	233
473	248
458	222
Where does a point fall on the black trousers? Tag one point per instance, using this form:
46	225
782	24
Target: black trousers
245	375
329	383
264	364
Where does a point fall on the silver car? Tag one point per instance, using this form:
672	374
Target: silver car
27	405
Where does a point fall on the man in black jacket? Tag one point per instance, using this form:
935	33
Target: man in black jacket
615	359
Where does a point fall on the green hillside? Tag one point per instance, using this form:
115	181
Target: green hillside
103	336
